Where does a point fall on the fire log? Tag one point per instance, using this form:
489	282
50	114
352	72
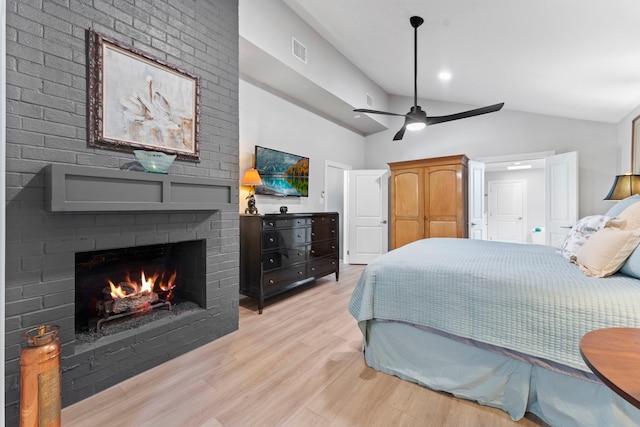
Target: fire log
133	302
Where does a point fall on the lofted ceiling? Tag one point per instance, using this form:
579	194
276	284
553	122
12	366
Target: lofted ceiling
569	58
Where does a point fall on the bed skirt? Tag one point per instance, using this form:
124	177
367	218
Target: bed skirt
492	379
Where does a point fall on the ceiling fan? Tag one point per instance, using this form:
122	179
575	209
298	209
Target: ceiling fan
416	118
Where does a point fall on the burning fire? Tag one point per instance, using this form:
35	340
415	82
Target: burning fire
144	286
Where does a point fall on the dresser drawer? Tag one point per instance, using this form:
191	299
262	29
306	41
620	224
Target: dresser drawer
273	239
324	219
324	248
276	223
283	277
323	232
284	257
322	267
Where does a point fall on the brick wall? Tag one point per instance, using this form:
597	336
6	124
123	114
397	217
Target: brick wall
47	123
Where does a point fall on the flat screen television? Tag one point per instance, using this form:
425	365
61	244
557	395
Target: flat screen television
282	174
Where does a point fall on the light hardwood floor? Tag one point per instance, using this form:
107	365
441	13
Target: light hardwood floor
297	364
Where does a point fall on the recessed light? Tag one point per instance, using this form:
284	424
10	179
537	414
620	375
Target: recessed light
445	76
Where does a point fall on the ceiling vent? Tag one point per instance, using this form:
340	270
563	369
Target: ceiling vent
370	100
299	50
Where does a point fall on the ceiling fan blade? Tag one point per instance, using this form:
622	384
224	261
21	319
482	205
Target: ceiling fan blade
398	136
465	114
364	110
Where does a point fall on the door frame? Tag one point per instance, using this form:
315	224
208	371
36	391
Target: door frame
511	158
326	195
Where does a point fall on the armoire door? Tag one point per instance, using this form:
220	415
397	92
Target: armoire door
407	207
442	204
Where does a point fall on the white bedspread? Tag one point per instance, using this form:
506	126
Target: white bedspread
525	298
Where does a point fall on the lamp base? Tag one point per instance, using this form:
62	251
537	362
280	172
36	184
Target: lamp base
251	205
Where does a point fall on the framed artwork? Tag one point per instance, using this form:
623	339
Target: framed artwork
137	101
635	146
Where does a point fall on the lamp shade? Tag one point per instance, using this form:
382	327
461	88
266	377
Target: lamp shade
624	186
251	177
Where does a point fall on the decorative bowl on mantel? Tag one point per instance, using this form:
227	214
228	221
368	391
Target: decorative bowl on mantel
154	161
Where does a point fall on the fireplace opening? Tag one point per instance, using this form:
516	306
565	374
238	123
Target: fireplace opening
122	288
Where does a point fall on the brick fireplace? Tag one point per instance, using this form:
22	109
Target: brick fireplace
49	229
91	232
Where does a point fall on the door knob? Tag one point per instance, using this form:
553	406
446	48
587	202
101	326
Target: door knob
384	221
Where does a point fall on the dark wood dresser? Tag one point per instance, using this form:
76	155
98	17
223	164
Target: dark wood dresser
281	251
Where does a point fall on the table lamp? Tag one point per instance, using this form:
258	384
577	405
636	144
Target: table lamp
251	179
624	186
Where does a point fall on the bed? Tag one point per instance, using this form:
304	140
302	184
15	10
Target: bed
497	323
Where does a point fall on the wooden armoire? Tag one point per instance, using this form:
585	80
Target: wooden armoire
428	199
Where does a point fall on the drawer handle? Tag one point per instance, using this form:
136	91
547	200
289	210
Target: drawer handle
333	247
300	273
271	281
333	263
333	231
271	224
312	251
299	236
313	234
313	269
271	260
299	253
271	239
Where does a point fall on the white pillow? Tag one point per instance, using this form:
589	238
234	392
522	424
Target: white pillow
581	231
631	215
621	205
605	251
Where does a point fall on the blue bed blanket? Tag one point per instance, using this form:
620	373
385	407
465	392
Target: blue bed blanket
526	298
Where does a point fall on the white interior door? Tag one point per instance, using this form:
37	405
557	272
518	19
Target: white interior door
561	196
368	215
507	211
477	212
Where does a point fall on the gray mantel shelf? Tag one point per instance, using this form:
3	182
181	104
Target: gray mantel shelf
72	188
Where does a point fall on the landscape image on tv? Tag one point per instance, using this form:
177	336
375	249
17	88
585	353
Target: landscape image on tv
282	174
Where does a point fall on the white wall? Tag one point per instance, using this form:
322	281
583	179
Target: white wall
506	132
272	122
270	25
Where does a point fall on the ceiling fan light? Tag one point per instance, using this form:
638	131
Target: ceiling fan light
416	126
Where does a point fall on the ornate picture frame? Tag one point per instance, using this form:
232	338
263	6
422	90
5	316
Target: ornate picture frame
635	146
137	101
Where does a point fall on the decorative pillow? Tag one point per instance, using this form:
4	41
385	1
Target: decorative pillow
581	231
631	215
606	250
631	266
617	209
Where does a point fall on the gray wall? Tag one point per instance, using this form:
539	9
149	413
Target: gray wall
46	123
